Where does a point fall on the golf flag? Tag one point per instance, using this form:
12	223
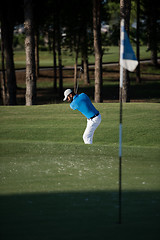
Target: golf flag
127	57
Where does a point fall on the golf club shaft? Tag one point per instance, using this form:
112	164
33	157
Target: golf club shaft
80	71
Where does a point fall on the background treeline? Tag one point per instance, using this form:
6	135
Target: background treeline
82	27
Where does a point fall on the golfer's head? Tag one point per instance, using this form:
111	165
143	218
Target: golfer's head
68	95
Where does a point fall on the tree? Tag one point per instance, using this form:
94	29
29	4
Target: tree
59	39
37	52
73	23
97	50
3	77
53	22
54	59
86	37
30	53
138	79
125	7
152	13
7	25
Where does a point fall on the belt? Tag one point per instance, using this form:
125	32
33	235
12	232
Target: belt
93	116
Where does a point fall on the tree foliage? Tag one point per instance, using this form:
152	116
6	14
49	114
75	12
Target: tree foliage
68	24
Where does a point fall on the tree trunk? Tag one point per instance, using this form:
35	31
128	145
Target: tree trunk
54	60
76	73
37	53
3	78
86	71
138	78
84	52
97	50
153	31
60	65
30	54
7	35
125	7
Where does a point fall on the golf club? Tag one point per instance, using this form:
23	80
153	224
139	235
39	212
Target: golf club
80	71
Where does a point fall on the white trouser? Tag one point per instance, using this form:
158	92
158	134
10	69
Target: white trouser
92	124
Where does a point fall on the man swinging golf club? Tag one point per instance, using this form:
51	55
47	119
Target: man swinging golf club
82	103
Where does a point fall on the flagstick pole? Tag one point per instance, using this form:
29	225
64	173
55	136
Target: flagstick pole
120	155
120	123
126	53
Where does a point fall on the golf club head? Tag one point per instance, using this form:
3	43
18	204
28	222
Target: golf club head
81	70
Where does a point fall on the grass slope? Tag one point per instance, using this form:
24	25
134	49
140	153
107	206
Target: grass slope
55	187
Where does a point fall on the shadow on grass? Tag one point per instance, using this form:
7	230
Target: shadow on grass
79	215
144	91
147	91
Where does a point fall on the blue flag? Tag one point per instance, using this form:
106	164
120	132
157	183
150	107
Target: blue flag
127	58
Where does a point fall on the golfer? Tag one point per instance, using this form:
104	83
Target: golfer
82	103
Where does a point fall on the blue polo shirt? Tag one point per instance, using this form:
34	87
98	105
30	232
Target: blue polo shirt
83	104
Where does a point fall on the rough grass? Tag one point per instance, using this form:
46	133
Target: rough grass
55	187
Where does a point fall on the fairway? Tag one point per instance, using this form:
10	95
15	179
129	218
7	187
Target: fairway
55	187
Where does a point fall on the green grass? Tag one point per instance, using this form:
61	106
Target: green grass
55	187
46	57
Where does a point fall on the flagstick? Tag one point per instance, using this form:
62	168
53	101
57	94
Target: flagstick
120	153
126	53
120	124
